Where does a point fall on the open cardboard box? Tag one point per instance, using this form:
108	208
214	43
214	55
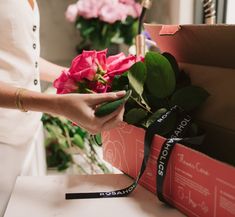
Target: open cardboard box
198	182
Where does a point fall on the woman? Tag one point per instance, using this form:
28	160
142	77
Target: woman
21	102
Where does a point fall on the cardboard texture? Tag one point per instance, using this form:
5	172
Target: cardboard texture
196	184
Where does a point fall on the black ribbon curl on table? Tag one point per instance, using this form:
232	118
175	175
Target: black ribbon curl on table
183	124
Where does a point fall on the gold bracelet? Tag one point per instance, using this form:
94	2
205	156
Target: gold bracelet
18	99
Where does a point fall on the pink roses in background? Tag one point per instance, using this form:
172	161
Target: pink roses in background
108	11
103	23
92	71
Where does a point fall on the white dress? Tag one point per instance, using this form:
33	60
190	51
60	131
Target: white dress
19	55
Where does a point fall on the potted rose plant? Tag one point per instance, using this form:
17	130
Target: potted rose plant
105	22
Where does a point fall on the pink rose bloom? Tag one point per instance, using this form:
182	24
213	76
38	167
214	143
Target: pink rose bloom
89	8
99	87
87	64
65	84
128	2
112	12
94	70
71	13
101	59
134	10
119	63
84	66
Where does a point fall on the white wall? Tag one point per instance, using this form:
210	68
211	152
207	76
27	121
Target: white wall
186	11
58	37
230	12
171	12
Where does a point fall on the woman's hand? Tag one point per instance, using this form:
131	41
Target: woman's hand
80	108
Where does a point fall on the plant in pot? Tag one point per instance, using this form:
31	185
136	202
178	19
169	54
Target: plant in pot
104	23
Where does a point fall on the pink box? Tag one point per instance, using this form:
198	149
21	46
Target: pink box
195	183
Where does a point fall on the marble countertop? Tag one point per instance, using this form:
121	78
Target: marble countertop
45	197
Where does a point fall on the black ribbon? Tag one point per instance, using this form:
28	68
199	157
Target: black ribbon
162	162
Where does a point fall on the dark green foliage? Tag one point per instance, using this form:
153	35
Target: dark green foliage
99	35
160	75
62	138
109	107
157	84
189	98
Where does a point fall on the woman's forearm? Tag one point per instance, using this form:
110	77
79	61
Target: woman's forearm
49	71
31	100
79	108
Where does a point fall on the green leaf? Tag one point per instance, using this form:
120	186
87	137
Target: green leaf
120	82
160	75
137	76
134	116
157	103
189	97
88	31
173	63
98	139
155	116
78	141
109	107
144	101
183	80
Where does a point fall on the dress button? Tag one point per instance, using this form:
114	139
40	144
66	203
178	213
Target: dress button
34	46
35	81
36	64
34	28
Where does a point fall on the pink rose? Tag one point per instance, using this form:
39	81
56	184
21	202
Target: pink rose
94	70
112	12
71	13
101	59
134	10
99	87
84	66
119	63
89	8
128	2
65	84
88	64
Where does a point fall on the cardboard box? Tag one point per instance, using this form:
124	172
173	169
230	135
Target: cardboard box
198	184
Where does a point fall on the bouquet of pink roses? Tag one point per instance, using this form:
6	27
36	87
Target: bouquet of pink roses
104	22
155	81
93	72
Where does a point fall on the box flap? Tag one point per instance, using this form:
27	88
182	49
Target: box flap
212	45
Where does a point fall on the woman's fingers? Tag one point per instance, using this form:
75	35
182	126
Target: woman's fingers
112	115
107	122
96	99
114	121
82	111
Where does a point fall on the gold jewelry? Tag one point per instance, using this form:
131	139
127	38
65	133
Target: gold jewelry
18	99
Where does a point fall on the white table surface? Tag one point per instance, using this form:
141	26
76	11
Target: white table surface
44	197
